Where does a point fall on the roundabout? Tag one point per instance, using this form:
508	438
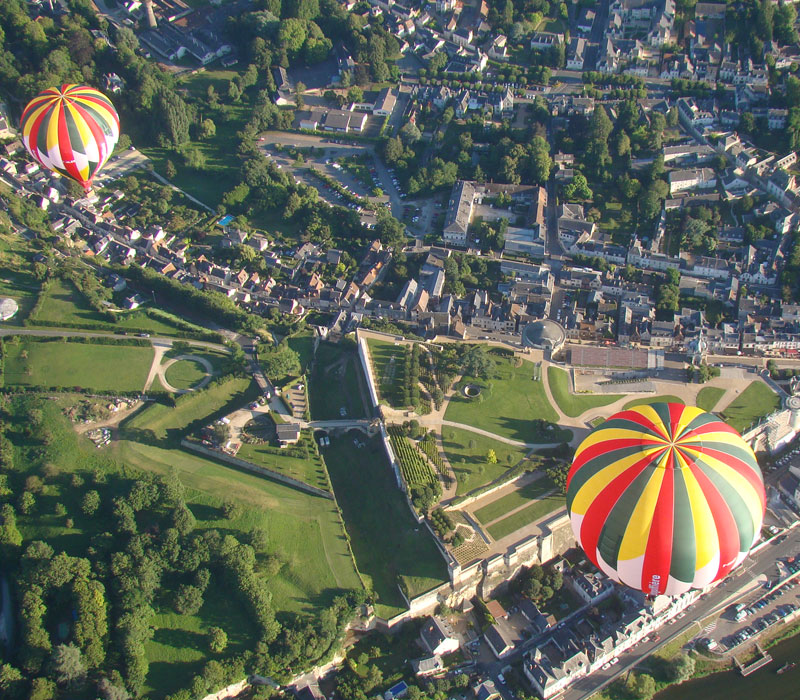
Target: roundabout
185	373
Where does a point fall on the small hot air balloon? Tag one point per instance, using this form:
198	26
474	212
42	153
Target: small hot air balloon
71	130
665	497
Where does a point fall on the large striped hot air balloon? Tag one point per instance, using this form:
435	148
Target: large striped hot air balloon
71	130
665	497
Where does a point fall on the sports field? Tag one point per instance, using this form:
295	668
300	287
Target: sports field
755	402
389	546
70	364
467	451
511	401
571	404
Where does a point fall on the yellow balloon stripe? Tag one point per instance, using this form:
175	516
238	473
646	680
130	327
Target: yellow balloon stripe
600	436
705	530
637	531
595	484
736	480
688	414
52	127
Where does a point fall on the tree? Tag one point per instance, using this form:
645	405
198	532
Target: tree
90	502
476	362
217	640
169	170
355	94
68	667
280	361
644	687
578	188
207	129
109	691
27	502
230	509
43	689
410	133
12	683
681	668
188	600
491	457
540	163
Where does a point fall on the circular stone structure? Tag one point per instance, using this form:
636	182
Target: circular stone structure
471	391
544	335
8	307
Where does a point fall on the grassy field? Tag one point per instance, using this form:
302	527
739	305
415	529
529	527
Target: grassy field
165	426
574	404
469	463
388	544
305	531
303	345
179	647
535	511
16	275
184	374
511	401
756	401
708	396
664	398
65	304
310	470
387	366
532	491
56	363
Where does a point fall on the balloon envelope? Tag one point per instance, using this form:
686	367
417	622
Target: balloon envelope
71	130
665	497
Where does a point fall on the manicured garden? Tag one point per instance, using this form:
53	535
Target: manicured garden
521	518
389	546
299	462
531	491
708	397
387	368
509	404
72	364
755	402
571	404
467	453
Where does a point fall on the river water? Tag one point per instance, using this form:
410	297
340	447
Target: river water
764	684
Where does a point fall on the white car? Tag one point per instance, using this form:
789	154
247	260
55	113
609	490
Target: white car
606	666
614	661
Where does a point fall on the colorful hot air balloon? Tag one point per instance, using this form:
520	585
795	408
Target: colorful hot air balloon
665	497
71	130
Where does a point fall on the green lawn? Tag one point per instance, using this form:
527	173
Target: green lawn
310	470
305	531
708	396
69	364
165	425
387	367
532	491
65	304
179	647
756	401
469	463
16	275
184	374
521	518
664	398
511	401
303	345
574	404
388	544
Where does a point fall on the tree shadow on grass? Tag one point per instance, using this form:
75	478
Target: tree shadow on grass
181	639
